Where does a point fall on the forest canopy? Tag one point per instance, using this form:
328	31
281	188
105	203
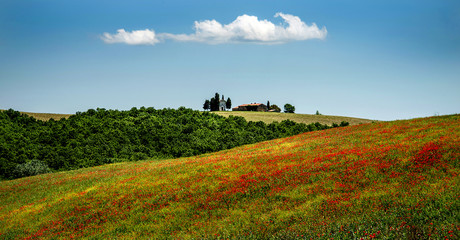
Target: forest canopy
100	136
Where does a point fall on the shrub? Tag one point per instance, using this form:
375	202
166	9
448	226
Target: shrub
288	108
31	168
275	107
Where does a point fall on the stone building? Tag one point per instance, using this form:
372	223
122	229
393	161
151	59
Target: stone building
256	107
222	104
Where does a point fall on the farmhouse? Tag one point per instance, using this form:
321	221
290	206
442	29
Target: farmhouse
257	107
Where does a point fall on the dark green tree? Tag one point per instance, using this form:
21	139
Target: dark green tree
215	102
288	108
317	112
206	105
268	105
228	104
275	107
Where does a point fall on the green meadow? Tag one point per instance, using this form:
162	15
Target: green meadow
385	180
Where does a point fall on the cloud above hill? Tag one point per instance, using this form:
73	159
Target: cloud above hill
137	37
244	29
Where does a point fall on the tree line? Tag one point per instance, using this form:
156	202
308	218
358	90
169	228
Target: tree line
98	136
214	103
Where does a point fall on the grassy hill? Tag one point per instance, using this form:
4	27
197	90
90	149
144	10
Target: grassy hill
269	117
47	116
388	180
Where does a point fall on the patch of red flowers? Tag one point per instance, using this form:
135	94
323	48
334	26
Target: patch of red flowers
429	155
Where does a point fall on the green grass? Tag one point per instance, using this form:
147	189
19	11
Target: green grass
269	117
388	180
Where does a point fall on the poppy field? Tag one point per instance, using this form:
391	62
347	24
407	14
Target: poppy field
385	180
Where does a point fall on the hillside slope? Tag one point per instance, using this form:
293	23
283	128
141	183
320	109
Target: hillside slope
392	180
46	116
269	117
101	136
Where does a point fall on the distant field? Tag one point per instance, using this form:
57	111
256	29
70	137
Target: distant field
47	116
269	117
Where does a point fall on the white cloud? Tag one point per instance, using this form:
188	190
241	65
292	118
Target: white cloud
243	29
138	37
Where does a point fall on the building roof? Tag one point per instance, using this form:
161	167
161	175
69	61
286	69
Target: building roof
250	104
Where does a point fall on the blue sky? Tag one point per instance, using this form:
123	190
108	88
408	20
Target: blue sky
380	59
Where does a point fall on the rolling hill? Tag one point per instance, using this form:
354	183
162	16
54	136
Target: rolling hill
269	117
47	116
388	180
101	136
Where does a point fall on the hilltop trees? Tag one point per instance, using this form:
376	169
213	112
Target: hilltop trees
215	101
288	108
206	105
228	104
275	108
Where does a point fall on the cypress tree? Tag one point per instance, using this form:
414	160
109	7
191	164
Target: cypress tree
215	102
228	104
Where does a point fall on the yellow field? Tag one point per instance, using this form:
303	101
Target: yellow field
46	116
269	117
